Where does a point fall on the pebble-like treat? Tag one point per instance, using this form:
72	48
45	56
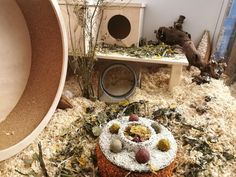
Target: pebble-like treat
136	135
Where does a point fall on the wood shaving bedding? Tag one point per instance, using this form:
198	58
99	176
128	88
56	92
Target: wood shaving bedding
218	125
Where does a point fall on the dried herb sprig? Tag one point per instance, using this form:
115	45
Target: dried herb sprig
41	161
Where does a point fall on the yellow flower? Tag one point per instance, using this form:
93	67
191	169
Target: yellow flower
124	103
152	168
83	161
140	130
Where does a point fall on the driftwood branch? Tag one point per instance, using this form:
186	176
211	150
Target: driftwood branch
176	36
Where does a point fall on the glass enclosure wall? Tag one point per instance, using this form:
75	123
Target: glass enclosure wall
228	33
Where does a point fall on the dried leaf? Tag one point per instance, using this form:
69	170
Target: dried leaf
83	161
198	145
96	131
90	110
228	156
28	162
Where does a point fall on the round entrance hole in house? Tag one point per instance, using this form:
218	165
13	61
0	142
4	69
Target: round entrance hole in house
119	27
118	81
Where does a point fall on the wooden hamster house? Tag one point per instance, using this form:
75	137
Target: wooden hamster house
122	24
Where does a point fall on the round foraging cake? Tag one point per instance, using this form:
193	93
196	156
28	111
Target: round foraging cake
135	145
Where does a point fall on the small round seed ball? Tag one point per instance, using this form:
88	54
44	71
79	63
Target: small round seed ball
133	117
142	156
156	127
114	128
163	145
116	146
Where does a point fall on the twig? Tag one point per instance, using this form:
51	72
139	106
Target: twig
121	113
66	175
91	26
41	161
64	161
99	26
23	174
191	126
94	171
128	174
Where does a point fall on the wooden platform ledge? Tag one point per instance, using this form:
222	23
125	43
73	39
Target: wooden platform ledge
176	62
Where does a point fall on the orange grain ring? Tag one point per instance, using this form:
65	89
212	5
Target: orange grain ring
108	169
